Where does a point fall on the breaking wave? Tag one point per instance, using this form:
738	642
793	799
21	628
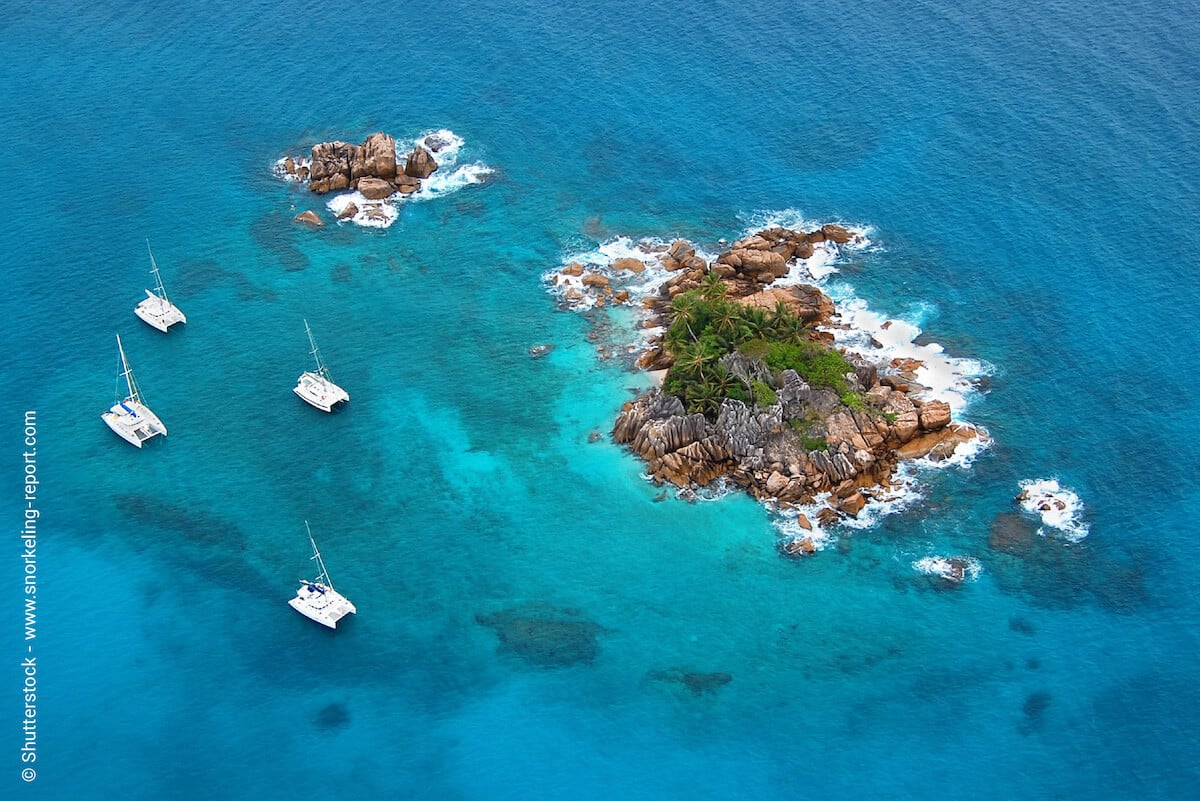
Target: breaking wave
1059	508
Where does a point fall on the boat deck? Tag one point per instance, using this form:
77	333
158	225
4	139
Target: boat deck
322	604
158	313
316	390
133	422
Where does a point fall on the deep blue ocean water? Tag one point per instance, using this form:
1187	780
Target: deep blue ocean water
1029	174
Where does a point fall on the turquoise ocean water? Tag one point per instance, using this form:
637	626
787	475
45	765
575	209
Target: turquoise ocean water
1029	178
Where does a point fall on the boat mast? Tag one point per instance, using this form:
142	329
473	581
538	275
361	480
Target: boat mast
322	370
324	574
127	374
159	289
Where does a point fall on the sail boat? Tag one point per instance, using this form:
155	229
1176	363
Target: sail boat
156	311
129	417
317	388
317	599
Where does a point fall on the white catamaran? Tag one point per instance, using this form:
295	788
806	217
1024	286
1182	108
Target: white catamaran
317	599
315	387
156	311
129	417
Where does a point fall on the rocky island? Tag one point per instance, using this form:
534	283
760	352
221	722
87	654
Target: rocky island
754	391
372	169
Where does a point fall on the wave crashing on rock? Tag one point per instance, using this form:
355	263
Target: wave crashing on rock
1060	509
375	177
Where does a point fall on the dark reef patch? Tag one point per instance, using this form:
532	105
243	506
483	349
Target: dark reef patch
1034	709
204	544
272	233
1012	533
196	526
196	275
332	716
545	636
698	683
1055	573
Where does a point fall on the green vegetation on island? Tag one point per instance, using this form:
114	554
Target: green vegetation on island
706	326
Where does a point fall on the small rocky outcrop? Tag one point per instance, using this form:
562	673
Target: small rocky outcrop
957	570
420	163
763	257
329	170
374	158
370	168
309	218
435	143
375	188
629	264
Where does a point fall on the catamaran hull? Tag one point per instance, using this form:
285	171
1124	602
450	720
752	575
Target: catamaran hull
158	313
320	392
133	422
321	604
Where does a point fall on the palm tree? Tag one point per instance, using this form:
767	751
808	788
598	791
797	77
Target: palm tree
676	338
693	359
756	322
713	288
707	399
780	313
686	309
723	382
792	329
727	319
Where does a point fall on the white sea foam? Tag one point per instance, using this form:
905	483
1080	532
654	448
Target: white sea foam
444	183
943	567
711	492
446	142
887	341
279	168
881	502
964	454
786	520
1059	508
449	177
599	260
815	269
371	213
796	221
826	255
